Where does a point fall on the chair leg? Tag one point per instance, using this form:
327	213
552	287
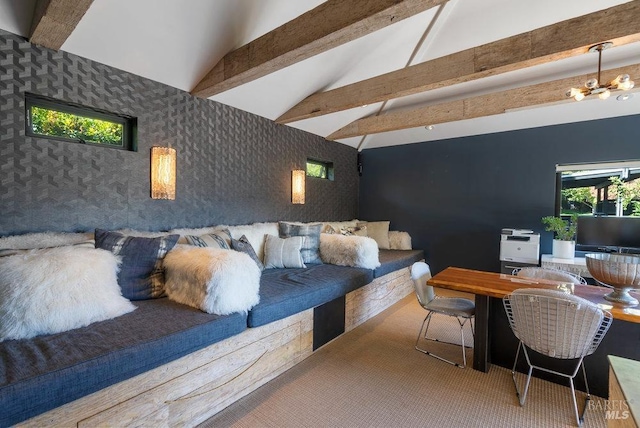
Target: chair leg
464	353
427	321
580	416
521	397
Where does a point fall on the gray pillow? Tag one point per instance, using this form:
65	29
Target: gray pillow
283	253
311	233
244	246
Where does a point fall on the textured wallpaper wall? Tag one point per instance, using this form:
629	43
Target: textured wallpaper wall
233	167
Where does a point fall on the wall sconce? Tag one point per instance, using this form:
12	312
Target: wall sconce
163	173
297	186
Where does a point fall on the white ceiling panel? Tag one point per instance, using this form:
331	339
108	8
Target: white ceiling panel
177	42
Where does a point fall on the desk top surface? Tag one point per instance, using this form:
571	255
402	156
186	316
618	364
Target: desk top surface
499	285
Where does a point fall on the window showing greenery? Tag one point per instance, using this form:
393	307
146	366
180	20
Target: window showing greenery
319	169
603	189
54	119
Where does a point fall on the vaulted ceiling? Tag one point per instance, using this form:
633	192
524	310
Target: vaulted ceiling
366	73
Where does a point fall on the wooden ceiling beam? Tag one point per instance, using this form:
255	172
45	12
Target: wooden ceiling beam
470	108
327	26
54	21
619	24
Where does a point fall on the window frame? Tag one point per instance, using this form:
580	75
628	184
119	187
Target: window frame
326	164
129	124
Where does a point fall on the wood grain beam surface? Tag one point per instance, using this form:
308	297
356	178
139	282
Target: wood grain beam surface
619	24
329	25
470	108
54	21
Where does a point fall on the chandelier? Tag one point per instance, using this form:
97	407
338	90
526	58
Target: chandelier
593	86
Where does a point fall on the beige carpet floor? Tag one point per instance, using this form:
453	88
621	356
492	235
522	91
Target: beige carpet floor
373	377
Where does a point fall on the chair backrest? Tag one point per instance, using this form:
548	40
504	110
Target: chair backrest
420	273
555	323
552	274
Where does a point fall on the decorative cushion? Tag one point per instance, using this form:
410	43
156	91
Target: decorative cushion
244	246
58	289
355	231
338	225
141	275
255	234
283	253
220	238
215	281
399	240
356	251
378	230
311	233
327	228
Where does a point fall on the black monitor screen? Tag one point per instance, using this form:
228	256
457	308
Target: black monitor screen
609	232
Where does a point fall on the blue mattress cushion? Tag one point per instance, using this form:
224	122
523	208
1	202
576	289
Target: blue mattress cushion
392	260
45	372
284	292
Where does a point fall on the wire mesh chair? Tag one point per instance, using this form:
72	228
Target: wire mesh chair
558	325
461	309
552	274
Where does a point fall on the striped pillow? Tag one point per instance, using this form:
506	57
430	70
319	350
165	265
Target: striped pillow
216	239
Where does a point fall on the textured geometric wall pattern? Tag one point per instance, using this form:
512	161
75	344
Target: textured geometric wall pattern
233	167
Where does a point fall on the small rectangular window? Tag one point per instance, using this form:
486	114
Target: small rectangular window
320	169
59	120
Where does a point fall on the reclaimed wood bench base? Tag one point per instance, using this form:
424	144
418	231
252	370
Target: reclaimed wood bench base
189	390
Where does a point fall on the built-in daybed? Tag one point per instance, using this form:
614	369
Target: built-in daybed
167	363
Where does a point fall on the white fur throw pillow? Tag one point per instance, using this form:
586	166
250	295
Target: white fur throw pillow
58	289
399	240
343	250
213	280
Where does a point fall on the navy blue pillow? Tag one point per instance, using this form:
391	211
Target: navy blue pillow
141	274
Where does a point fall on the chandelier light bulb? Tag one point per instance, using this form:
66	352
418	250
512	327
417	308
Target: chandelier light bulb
573	92
625	86
622	78
604	94
579	96
591	83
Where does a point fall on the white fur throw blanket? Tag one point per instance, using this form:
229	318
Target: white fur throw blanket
213	280
349	250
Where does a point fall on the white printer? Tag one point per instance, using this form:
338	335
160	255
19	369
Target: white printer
520	245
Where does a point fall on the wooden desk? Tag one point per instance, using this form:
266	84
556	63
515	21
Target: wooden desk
491	284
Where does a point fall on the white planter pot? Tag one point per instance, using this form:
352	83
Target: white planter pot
564	249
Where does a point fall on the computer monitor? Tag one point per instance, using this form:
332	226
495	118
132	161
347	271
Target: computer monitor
608	232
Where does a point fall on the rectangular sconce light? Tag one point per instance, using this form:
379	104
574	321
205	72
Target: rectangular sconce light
163	173
298	186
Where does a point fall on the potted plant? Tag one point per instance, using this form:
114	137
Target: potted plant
564	245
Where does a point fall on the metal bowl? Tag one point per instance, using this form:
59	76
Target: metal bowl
619	271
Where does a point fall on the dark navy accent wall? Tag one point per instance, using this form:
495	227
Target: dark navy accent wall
233	167
454	196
